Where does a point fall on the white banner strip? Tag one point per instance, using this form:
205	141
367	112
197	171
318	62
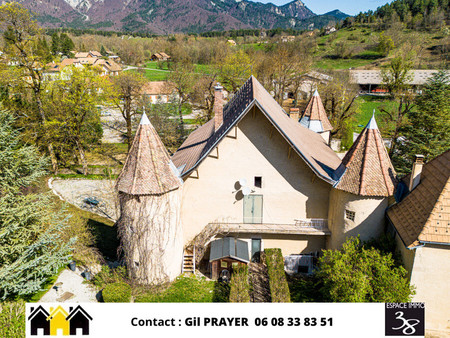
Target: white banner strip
206	320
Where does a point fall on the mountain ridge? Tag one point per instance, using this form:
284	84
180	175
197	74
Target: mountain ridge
168	16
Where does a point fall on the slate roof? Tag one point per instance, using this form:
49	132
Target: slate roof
424	214
148	169
315	117
310	146
366	169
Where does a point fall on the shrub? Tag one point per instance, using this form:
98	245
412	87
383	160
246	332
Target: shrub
12	319
279	288
108	276
239	286
117	293
359	274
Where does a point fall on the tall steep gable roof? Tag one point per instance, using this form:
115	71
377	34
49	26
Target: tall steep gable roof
366	169
424	214
315	117
310	146
148	169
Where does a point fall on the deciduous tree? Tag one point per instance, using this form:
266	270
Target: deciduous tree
360	274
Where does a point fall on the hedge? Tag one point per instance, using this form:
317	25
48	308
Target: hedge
118	292
12	319
239	285
279	288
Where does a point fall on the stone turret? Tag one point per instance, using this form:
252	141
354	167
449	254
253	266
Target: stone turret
365	181
150	200
315	118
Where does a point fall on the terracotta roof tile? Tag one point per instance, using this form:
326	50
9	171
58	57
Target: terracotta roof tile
424	214
315	111
366	169
148	169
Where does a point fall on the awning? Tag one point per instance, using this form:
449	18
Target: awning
229	247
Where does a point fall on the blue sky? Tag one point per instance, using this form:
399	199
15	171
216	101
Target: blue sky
351	7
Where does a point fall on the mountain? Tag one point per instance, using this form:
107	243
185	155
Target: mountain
337	14
319	21
168	16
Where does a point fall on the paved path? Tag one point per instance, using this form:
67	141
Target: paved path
76	191
72	282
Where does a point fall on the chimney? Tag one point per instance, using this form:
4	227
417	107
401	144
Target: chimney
294	114
218	106
415	173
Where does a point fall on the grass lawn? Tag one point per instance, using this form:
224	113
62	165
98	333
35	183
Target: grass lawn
368	104
328	63
189	121
186	290
156	75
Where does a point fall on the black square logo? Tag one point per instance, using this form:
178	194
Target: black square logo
404	319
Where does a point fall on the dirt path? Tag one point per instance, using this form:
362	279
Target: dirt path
260	282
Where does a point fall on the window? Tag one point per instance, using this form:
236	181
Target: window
258	181
349	215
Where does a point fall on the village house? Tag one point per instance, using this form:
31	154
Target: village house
257	176
421	224
90	54
61	70
287	38
161	56
159	91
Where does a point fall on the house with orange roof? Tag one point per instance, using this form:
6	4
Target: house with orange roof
420	221
261	178
159	91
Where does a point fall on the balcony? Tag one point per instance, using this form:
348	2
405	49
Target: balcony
312	226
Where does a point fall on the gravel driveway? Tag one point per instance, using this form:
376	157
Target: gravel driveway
86	193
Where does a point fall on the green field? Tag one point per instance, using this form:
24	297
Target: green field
367	104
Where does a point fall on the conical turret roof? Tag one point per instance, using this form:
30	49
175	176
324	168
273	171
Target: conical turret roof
366	169
148	169
314	117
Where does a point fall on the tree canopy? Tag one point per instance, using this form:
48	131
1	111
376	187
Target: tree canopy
31	247
362	274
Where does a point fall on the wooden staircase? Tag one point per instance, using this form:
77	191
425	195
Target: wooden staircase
188	261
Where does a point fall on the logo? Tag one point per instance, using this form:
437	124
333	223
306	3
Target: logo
49	323
405	319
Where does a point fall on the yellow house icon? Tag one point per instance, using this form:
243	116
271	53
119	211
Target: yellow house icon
58	321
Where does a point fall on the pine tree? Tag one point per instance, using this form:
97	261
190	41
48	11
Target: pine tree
31	248
428	130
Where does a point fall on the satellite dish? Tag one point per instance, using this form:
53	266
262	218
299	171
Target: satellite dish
246	191
242	182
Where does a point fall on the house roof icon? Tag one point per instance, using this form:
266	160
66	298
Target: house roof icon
35	311
80	310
